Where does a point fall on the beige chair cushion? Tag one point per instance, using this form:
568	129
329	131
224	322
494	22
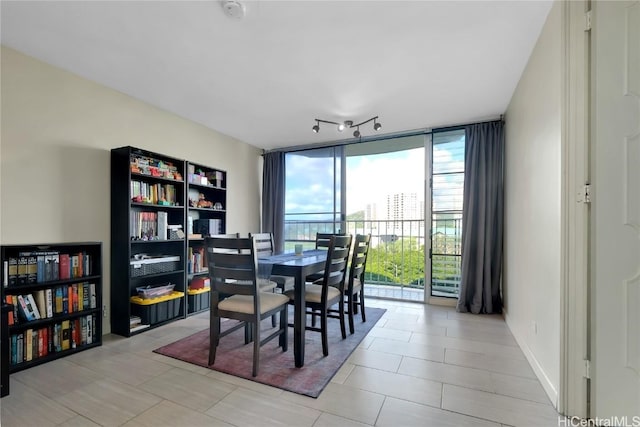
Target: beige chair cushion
267	285
313	293
244	303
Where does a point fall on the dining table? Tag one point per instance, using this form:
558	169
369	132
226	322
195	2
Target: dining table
298	266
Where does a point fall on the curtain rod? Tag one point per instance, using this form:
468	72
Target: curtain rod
351	141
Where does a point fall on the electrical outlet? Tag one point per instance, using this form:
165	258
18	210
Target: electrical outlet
104	310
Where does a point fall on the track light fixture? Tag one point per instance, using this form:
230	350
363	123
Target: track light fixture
348	124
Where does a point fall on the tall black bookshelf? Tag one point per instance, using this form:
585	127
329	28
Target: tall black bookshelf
55	291
206	216
148	194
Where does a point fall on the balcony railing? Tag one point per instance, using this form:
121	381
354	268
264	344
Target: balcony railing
396	260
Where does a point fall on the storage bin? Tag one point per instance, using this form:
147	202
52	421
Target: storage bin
155	291
156	310
198	299
154	265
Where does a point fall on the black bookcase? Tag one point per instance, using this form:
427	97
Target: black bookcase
206	216
56	295
148	241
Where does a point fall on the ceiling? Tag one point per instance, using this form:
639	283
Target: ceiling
263	79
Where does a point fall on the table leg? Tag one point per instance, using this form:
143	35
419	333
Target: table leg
299	319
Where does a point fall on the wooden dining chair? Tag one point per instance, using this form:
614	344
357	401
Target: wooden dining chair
322	242
354	286
233	266
329	290
264	247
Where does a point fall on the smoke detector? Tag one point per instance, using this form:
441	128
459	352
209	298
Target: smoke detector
233	9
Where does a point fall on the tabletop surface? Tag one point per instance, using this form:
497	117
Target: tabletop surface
290	258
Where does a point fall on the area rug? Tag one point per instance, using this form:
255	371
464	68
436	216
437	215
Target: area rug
277	368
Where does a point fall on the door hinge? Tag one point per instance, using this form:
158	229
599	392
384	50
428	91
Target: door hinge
587	21
587	369
586	193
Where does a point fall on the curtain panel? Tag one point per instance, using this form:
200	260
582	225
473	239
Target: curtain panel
482	219
273	191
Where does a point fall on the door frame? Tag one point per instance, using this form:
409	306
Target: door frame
573	396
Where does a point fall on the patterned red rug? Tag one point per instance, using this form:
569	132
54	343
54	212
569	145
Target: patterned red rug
277	368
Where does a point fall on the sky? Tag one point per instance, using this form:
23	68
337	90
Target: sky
370	179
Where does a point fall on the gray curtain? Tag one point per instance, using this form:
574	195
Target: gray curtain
273	177
482	219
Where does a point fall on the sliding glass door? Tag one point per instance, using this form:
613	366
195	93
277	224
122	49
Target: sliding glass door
383	187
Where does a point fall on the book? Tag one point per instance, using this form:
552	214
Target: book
65	267
56	338
81	297
49	299
58	303
89	330
25	309
83	330
10	320
85	296
22	270
66	335
42	342
92	295
41	303
74	293
32	268
41	262
163	225
13	359
14	299
28	345
33	306
5	273
13	271
20	348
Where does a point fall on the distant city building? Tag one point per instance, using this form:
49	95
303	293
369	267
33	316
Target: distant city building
402	206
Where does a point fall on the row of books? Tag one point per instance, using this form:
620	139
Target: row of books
44	266
47	303
153	193
146	225
68	334
196	262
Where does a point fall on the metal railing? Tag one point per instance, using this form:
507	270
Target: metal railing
397	253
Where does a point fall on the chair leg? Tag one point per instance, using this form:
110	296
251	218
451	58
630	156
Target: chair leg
273	321
284	336
341	314
350	306
364	318
256	347
248	332
323	328
355	303
214	336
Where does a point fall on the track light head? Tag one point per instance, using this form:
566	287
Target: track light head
377	126
356	133
341	127
315	128
348	123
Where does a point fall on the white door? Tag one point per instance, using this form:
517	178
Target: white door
615	245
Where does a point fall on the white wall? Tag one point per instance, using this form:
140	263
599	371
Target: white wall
57	130
532	272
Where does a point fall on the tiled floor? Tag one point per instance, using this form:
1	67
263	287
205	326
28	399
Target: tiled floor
420	366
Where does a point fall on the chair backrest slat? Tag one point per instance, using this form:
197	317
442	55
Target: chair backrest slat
264	243
336	265
232	265
359	257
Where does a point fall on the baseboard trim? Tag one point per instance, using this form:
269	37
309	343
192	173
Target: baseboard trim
546	383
